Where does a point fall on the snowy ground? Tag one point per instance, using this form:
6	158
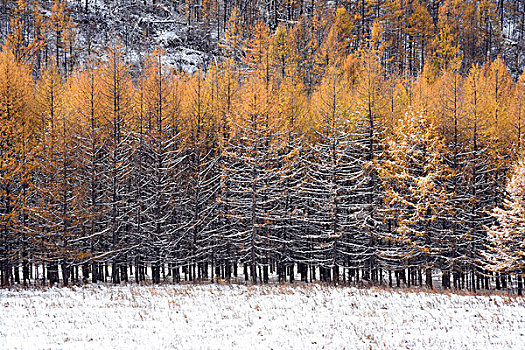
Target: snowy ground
244	317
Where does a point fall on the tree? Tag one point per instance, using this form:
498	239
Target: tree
369	134
50	97
86	105
116	91
478	185
60	192
335	45
519	113
17	129
449	115
507	236
233	37
24	49
256	51
62	32
332	177
156	162
251	176
420	32
446	52
222	241
414	174
203	180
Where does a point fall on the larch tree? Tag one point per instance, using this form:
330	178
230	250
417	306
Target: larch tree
116	97
478	183
233	37
414	174
256	53
449	117
155	165
292	114
251	177
62	36
519	114
227	91
86	107
60	193
50	97
332	177
202	174
506	237
369	135
25	49
16	148
496	91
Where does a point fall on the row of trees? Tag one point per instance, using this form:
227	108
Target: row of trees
225	169
339	172
410	31
413	30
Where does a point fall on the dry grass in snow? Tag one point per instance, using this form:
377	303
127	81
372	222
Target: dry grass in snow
256	317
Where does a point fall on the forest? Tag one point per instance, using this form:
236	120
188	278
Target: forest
375	142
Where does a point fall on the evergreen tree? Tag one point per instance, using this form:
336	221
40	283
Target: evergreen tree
116	92
332	177
251	176
16	165
414	175
86	106
506	236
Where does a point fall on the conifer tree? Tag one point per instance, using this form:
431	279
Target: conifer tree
369	134
506	236
479	187
227	91
233	37
62	36
448	115
116	92
332	177
24	48
414	175
202	175
86	106
251	177
157	162
51	98
517	122
289	216
16	148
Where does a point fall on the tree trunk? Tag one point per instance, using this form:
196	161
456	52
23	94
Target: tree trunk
428	278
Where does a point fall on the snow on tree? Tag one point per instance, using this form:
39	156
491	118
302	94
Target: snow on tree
252	175
117	94
332	177
85	106
17	145
506	238
413	174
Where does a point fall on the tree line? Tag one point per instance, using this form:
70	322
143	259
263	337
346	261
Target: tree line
412	31
274	161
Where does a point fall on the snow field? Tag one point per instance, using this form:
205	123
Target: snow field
256	317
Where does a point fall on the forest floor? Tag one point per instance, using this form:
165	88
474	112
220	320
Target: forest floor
256	317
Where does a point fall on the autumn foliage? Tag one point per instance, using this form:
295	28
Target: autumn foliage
312	149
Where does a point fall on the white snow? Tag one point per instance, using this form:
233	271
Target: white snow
256	317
